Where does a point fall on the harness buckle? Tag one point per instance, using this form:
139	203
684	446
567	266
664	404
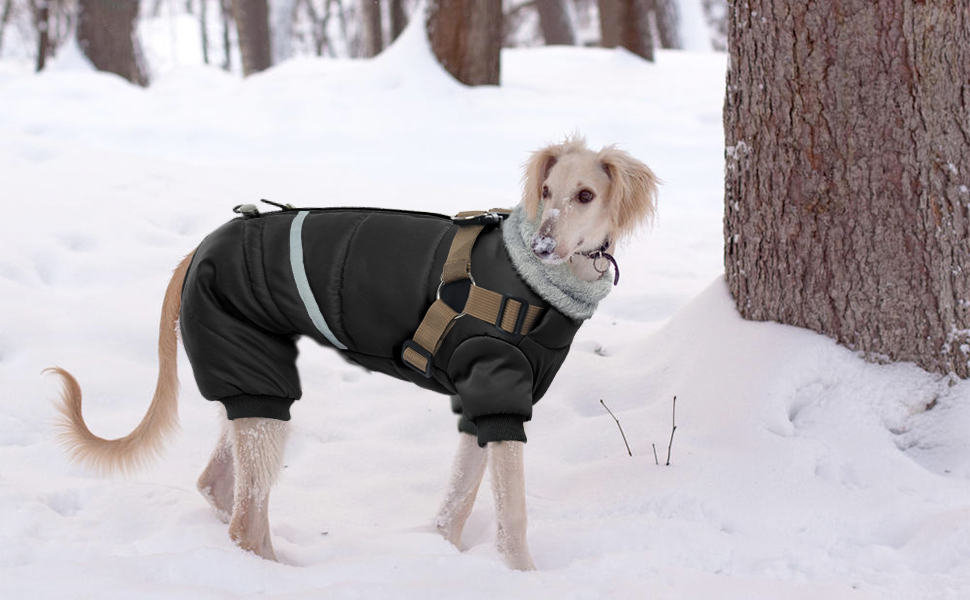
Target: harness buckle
428	371
519	321
486	218
247	210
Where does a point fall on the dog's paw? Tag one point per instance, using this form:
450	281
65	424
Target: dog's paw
520	561
449	531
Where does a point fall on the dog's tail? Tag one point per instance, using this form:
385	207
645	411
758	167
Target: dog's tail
144	444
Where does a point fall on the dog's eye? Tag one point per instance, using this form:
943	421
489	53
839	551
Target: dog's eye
545	191
586	196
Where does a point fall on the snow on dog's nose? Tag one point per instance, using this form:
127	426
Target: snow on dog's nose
543	245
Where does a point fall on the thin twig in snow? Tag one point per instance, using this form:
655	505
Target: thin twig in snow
655	459
673	429
630	452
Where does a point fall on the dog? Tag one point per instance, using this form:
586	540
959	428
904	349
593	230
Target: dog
240	312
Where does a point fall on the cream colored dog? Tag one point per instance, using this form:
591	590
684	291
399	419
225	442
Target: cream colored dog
585	197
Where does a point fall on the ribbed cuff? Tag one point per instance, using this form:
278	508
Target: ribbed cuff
466	426
499	428
245	406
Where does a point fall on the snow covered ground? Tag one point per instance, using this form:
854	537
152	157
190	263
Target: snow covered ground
798	471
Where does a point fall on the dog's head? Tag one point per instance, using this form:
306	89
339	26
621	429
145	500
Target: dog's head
586	198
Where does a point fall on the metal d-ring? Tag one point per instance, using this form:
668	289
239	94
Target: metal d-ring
442	285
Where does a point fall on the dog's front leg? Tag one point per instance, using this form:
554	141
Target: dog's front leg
508	486
257	452
466	475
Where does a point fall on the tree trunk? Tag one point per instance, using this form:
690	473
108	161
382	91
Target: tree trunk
554	21
372	30
399	20
609	22
668	24
847	208
42	15
106	35
466	37
204	29
4	17
252	22
635	33
225	11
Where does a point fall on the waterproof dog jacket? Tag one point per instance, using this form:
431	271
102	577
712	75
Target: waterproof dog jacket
360	280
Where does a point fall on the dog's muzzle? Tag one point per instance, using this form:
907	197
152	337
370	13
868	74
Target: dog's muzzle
543	246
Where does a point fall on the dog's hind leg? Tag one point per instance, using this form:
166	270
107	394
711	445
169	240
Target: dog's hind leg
508	487
466	475
257	453
216	482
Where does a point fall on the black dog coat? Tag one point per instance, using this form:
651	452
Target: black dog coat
360	280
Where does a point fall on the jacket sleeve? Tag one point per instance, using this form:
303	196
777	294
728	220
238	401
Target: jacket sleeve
494	381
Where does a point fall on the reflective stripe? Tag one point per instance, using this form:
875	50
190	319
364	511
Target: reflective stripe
302	284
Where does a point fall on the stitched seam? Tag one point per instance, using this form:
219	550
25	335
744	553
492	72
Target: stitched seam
269	290
191	315
340	282
249	275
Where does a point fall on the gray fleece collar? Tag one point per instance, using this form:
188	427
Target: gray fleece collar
555	284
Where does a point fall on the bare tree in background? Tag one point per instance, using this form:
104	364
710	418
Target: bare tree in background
557	29
626	23
847	208
399	19
635	34
41	10
667	19
204	29
252	23
609	11
225	14
4	19
106	35
319	15
466	37
372	30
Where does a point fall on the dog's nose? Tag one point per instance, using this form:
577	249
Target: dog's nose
543	246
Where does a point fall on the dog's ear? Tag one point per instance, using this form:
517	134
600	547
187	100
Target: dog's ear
633	192
536	172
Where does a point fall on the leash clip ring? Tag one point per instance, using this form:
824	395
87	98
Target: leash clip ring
486	218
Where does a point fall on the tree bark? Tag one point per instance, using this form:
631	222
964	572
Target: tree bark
204	30
4	17
42	14
372	30
107	36
466	37
668	23
252	22
225	11
609	11
554	21
399	19
847	208
635	33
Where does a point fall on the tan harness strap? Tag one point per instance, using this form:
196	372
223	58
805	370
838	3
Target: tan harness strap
488	306
433	328
459	262
458	265
508	313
